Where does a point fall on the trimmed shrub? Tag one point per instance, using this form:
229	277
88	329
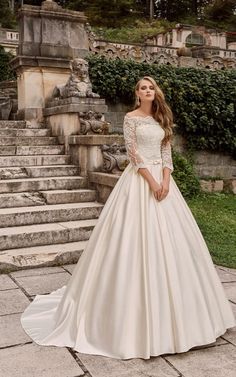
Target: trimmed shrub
203	101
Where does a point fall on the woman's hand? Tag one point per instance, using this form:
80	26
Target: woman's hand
156	189
164	190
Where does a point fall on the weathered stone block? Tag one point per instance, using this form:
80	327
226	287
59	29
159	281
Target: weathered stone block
33	160
46	214
217	185
48	255
230	185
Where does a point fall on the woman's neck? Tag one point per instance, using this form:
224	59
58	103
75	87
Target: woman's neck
146	109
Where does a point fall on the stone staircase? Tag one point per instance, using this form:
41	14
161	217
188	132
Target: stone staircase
47	213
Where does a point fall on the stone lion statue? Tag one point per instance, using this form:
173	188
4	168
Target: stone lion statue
78	84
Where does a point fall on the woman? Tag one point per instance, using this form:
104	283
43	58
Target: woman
145	284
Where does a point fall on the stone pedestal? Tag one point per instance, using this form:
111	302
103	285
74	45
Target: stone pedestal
86	150
50	37
62	115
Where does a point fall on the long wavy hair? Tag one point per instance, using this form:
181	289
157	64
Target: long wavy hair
160	110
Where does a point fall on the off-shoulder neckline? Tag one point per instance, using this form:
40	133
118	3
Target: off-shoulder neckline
139	116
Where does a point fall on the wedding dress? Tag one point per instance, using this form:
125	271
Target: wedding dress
145	284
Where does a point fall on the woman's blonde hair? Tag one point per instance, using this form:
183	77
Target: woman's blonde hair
161	111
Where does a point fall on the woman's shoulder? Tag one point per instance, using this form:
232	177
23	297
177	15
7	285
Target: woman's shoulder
131	114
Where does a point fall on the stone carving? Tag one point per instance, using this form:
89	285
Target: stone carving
151	53
114	158
51	5
5	106
91	122
216	63
78	84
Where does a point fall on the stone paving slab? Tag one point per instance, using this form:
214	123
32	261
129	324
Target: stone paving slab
230	290
31	360
230	334
227	269
12	301
219	341
225	276
6	283
35	285
101	366
69	267
37	271
217	361
11	331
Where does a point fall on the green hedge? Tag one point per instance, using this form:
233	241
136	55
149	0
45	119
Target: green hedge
203	101
185	176
5	70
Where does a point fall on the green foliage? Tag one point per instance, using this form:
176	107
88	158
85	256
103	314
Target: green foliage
220	14
134	32
203	102
7	18
5	71
185	176
108	13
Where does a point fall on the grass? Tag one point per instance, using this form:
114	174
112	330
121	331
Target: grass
216	218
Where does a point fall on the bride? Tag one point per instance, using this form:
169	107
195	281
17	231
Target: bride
145	284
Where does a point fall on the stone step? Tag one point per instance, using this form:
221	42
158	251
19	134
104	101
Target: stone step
23	199
41	184
27	141
20	124
12	124
49	213
40	150
38	171
69	196
24	132
34	160
44	234
41	256
30	151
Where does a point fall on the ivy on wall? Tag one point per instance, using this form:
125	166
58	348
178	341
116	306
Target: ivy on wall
203	101
5	70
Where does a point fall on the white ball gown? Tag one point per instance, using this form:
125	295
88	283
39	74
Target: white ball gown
145	284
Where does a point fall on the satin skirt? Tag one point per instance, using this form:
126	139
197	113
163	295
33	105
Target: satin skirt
145	284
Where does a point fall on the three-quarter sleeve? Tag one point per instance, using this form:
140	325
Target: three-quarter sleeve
131	143
166	156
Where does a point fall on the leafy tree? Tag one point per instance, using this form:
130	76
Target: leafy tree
221	10
7	18
177	10
105	12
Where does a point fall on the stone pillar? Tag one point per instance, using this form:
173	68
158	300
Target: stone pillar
50	37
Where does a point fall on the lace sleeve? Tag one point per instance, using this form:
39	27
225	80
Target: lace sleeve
131	144
166	156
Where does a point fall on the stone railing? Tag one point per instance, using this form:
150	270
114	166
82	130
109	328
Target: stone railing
154	54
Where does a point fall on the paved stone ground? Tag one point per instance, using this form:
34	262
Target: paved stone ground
19	356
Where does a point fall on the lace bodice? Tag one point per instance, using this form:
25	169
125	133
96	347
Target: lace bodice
143	140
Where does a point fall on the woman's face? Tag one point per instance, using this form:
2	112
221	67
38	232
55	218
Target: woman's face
146	91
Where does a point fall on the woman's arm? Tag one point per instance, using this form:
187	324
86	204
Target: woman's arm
135	158
168	167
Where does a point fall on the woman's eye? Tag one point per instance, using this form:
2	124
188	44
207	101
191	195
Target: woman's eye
144	87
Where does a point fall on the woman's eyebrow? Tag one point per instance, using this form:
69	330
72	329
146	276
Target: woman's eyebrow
144	86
